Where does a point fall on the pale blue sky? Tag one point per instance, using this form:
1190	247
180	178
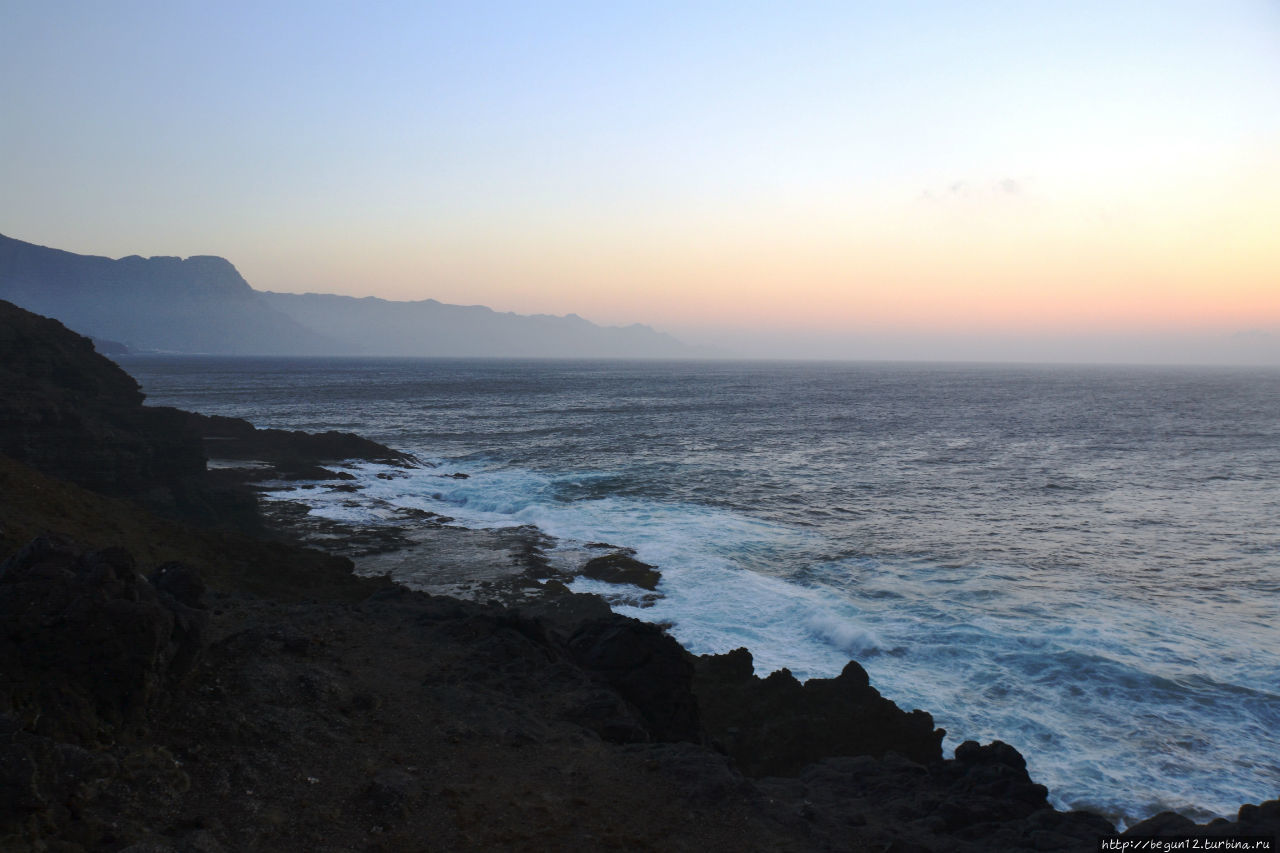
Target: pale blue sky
607	158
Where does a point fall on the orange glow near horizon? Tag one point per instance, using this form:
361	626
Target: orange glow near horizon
992	169
1195	255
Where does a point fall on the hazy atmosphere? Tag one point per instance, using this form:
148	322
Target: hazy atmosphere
1088	181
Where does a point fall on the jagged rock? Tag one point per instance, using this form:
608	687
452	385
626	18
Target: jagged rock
776	725
1258	820
984	802
1264	814
647	667
989	784
996	752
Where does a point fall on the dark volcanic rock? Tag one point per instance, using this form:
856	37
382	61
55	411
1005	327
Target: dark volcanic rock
391	793
622	568
983	802
233	438
1257	820
648	668
33	505
1163	824
88	643
70	413
777	725
73	414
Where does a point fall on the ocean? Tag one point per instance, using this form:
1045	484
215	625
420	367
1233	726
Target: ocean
1083	562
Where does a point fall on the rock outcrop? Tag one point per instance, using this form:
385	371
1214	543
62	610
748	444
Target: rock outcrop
648	669
622	568
1256	820
76	415
777	725
982	800
234	438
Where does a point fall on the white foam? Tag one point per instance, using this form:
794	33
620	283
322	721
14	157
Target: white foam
1114	708
845	636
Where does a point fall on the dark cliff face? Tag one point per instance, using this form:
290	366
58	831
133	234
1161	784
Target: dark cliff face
196	304
73	414
53	359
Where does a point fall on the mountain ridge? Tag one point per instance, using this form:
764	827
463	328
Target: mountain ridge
202	304
429	327
199	304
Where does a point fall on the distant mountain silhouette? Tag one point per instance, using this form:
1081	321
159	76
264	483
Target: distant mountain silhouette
431	328
202	304
197	305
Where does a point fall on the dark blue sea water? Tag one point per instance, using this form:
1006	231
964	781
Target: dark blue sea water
1081	561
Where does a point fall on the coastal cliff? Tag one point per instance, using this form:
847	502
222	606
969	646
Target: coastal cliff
73	414
203	304
197	304
178	684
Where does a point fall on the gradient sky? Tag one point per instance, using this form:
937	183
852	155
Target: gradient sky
1058	180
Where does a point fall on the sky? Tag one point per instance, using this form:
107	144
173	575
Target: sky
1062	181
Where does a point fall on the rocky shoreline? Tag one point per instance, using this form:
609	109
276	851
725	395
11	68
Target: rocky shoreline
178	678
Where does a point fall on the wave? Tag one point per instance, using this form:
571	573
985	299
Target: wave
1122	710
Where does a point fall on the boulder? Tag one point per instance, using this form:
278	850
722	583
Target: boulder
622	568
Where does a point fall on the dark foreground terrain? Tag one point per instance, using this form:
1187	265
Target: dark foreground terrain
174	679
